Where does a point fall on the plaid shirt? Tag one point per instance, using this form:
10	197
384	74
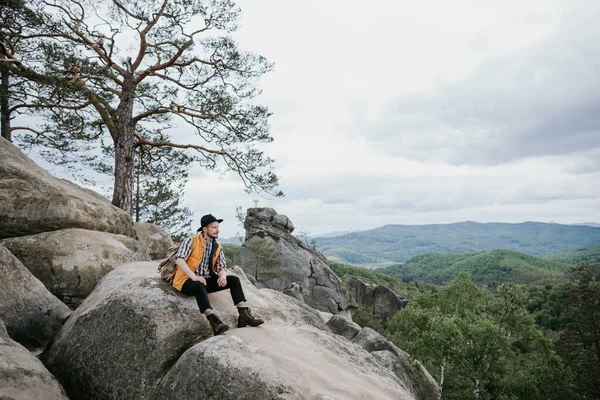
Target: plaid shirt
203	269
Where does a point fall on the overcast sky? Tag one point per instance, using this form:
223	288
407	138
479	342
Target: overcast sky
420	112
406	112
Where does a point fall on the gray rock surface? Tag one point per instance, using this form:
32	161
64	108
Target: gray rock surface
380	299
154	239
280	362
136	337
294	290
283	222
417	379
34	201
22	375
33	316
344	327
133	327
297	263
70	262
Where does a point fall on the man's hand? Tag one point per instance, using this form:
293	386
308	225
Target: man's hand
199	279
222	281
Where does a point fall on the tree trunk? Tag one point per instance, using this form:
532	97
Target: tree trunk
124	148
442	376
4	105
137	192
122	193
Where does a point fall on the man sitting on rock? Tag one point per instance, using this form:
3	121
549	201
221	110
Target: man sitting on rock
201	270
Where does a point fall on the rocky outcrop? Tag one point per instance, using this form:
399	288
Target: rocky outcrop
133	327
33	316
410	372
380	299
298	263
155	239
137	337
418	380
295	290
70	262
34	201
344	327
279	362
22	375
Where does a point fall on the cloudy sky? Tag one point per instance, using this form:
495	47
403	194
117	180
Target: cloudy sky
412	112
419	112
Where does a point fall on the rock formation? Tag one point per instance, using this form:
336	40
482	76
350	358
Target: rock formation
280	362
70	262
22	375
155	239
136	337
33	201
343	326
298	263
380	299
33	316
409	371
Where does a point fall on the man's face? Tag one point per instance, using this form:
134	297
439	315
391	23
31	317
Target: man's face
212	230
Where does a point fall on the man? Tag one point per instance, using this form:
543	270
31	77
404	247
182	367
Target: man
201	270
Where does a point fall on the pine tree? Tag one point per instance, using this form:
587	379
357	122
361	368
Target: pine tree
146	64
264	261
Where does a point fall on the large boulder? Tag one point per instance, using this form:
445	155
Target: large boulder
137	337
155	239
33	316
70	262
322	288
22	375
133	327
343	326
419	382
34	201
280	362
378	298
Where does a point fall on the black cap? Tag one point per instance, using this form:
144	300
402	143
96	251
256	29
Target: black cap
206	220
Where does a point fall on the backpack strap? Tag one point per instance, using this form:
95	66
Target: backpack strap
213	250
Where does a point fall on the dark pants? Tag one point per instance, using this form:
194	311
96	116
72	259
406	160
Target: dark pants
197	289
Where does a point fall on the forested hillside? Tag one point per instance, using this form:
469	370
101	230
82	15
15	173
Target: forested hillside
487	267
576	256
398	243
345	272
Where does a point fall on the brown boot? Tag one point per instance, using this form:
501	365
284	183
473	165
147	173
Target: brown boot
246	318
216	324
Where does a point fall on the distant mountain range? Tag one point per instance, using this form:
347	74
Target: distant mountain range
398	243
232	240
594	224
576	256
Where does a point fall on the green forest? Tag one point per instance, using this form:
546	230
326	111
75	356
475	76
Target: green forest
495	324
502	336
577	256
487	267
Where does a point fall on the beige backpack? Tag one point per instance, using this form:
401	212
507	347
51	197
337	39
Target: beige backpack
168	267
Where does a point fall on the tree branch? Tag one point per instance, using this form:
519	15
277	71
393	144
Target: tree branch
144	32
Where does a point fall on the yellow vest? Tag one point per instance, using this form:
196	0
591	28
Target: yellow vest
193	261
